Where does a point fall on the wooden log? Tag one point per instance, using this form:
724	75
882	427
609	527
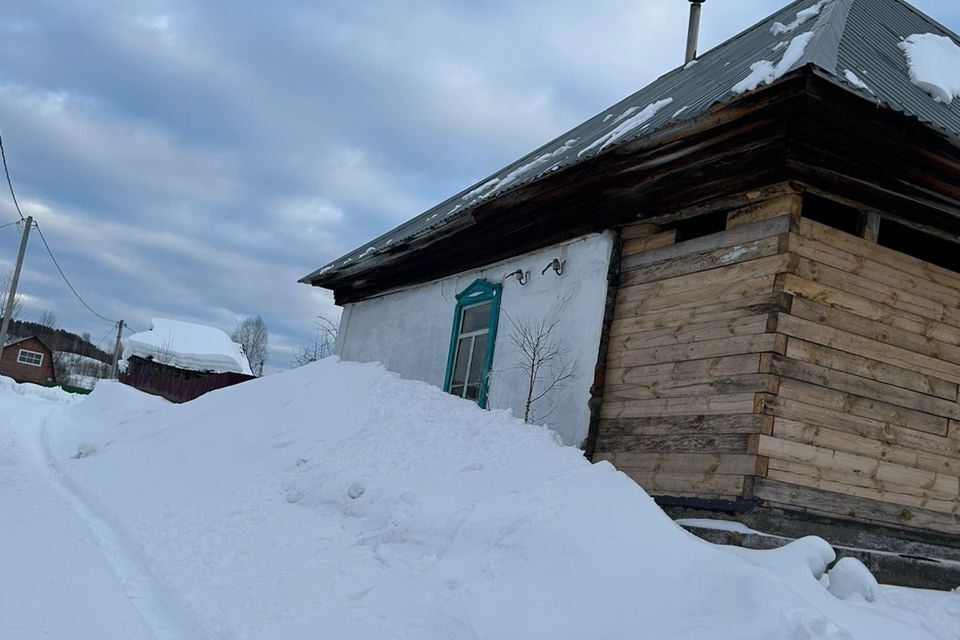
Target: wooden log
885	276
712	405
859	470
725	239
873	369
797	286
811	434
641	244
694	463
879	331
723	310
851	343
639	230
787	472
896	297
686	484
738	290
870	225
689	372
829	503
853	246
713	443
711	330
860	406
878	430
704	261
698	350
864	387
701	281
686	425
790	205
749	383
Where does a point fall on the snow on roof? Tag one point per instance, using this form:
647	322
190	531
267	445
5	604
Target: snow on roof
843	35
802	17
766	72
934	64
186	345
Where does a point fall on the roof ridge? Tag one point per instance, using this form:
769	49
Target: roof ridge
824	48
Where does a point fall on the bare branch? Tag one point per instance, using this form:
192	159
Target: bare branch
321	345
541	358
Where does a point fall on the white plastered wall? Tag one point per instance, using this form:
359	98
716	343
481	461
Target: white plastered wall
408	330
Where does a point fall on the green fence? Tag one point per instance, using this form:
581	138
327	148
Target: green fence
68	388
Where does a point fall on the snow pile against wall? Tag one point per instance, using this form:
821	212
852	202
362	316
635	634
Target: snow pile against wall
186	345
341	501
934	63
409	330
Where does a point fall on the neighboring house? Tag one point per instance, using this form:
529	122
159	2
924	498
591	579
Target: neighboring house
760	280
28	360
181	361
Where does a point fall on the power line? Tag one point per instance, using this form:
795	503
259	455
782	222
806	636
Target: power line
9	182
16	204
65	279
10	224
108	334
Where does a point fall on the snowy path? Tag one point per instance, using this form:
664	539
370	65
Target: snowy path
63	571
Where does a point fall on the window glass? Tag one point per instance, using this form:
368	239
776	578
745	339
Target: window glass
476	318
30	357
460	368
476	360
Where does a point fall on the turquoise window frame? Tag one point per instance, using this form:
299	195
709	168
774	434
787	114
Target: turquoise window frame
479	292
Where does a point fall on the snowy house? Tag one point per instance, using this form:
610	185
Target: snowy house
28	360
182	360
751	267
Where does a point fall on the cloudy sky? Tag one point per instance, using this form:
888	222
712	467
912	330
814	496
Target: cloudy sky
193	159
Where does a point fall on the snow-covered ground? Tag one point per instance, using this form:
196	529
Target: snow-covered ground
340	501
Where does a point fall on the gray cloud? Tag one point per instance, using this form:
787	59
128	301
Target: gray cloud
193	159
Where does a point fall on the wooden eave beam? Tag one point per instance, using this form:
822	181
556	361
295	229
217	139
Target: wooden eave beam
724	153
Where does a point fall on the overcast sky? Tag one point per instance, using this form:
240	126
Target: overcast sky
192	160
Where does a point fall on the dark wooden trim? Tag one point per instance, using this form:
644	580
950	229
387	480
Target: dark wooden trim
723	154
596	390
740	505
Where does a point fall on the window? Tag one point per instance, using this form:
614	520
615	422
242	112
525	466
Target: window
472	341
33	358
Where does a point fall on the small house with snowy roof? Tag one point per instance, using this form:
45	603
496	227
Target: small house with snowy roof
182	360
747	275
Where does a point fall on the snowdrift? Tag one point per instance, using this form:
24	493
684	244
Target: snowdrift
340	501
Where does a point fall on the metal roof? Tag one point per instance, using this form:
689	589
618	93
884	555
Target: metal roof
840	36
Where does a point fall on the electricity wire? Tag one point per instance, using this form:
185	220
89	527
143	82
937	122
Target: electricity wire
6	171
67	280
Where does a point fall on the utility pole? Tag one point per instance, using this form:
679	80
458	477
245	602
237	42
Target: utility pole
116	349
12	293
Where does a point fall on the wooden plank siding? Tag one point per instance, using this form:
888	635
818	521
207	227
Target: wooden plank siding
868	386
685	380
787	362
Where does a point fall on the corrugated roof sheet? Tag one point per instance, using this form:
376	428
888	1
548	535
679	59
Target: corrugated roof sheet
860	36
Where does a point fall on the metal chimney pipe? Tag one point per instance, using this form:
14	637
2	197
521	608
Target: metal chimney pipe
693	32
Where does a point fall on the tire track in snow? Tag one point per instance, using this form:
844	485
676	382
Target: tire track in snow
155	603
